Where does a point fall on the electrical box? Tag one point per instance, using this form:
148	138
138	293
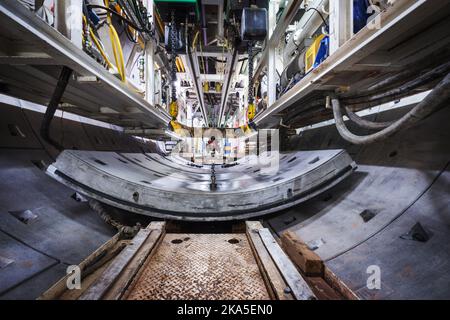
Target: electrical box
316	53
254	24
238	5
180	8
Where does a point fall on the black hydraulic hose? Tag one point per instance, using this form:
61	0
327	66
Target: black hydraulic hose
129	22
363	123
409	72
391	80
439	95
378	98
204	32
403	90
321	16
53	105
137	13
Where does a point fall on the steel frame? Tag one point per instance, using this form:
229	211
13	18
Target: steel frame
61	51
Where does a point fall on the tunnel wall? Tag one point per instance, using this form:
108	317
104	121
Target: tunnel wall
401	181
364	221
60	230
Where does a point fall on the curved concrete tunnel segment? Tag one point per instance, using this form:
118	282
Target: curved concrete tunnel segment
164	187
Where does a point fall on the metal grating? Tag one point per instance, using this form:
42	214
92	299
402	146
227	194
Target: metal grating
201	266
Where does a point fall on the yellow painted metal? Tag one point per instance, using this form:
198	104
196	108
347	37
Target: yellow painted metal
246	129
311	53
180	64
251	111
175	125
173	109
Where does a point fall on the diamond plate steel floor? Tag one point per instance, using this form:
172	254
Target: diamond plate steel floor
201	266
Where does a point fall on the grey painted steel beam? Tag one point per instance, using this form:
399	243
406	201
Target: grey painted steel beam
25	27
166	187
231	66
283	22
192	66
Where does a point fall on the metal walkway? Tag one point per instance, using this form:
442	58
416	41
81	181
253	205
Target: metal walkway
246	265
201	266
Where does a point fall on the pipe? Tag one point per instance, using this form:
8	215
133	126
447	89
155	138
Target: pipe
205	36
53	105
403	90
430	104
306	27
195	79
377	98
220	20
363	123
387	82
226	86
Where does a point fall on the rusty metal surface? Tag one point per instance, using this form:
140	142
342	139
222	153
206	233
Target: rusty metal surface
201	266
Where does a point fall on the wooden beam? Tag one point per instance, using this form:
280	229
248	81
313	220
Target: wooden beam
58	289
333	281
293	278
273	278
125	280
306	259
100	287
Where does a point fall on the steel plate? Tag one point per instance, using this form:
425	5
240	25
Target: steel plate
201	266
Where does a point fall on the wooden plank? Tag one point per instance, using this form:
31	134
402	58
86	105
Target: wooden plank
294	279
273	278
338	285
99	288
126	278
307	260
323	290
60	287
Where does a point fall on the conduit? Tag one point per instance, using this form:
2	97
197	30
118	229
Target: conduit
53	105
434	100
403	90
363	123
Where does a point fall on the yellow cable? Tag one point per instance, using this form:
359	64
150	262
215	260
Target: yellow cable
202	57
115	43
97	44
108	21
102	52
121	65
195	40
